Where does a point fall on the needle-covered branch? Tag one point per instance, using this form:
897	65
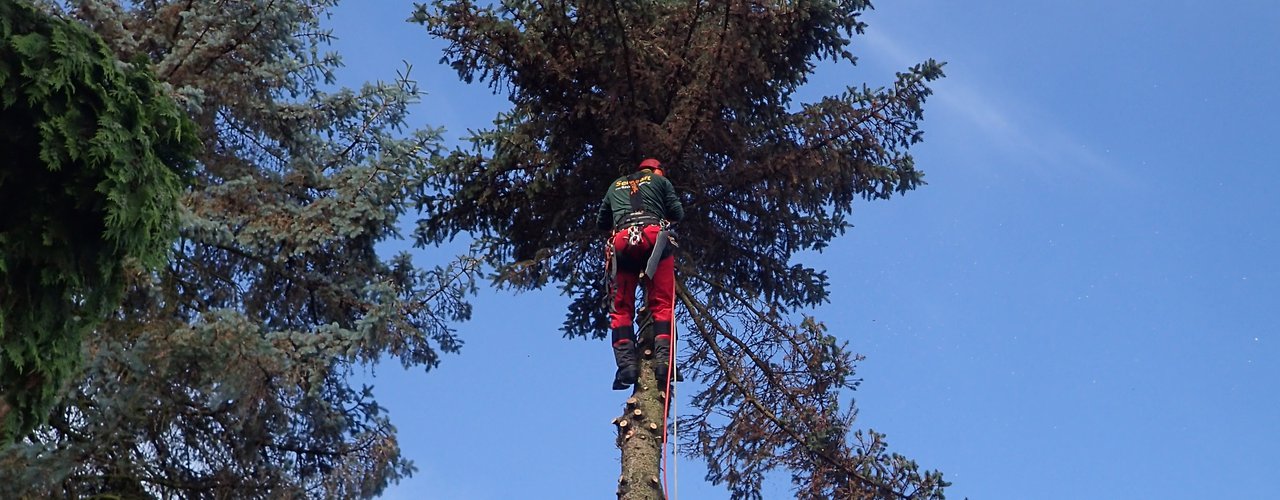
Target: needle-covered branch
94	155
227	374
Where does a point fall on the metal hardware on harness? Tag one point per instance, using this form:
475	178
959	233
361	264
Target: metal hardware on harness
634	235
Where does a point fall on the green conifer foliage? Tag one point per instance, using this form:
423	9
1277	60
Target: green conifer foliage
227	374
707	87
92	152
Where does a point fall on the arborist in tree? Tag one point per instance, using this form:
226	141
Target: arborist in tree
638	208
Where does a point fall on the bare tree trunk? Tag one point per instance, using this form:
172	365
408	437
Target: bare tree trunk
640	430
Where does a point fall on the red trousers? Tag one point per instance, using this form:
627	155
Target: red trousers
631	259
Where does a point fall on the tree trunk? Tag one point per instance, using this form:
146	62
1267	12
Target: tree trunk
4	415
640	430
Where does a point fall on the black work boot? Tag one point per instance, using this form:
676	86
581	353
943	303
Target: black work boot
624	352
661	350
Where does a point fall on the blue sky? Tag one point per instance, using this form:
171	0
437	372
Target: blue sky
1083	302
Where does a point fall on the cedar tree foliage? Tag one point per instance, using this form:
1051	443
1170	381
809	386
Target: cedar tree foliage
93	154
706	86
226	373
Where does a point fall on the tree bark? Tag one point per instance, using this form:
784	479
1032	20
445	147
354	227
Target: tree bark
4	415
640	430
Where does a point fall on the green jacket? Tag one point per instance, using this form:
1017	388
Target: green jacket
656	193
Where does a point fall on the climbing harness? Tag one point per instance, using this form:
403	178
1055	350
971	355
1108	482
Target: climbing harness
663	244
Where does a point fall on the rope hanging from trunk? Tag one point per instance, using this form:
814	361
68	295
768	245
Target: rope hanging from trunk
668	406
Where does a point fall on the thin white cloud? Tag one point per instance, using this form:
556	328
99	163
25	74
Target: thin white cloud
1013	132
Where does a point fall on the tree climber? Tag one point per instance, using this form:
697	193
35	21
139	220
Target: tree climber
638	208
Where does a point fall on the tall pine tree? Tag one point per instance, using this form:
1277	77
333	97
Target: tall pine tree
706	86
226	374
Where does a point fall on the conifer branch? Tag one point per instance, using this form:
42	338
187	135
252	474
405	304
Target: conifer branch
727	371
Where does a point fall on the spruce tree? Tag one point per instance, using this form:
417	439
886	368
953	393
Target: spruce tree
707	87
226	373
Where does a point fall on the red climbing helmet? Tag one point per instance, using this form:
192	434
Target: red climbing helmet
654	164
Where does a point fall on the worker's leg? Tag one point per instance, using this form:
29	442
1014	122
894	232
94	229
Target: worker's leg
661	302
621	315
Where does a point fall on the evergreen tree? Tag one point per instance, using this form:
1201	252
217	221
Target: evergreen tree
93	153
226	373
706	86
